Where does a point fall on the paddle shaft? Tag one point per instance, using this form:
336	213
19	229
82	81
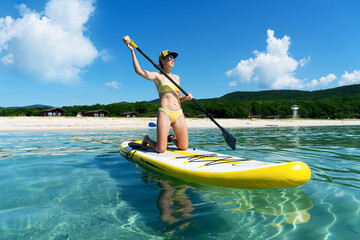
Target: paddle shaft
230	140
177	85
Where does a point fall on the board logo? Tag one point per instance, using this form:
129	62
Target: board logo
213	159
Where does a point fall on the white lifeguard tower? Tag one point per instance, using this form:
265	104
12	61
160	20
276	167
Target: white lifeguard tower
295	108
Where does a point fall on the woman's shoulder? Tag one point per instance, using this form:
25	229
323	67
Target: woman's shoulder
158	77
161	77
176	77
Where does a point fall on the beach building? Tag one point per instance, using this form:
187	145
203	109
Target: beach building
129	114
292	116
54	112
255	116
204	115
79	114
273	117
97	113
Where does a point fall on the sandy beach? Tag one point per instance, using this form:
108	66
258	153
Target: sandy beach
19	124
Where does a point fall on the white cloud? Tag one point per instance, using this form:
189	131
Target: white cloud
232	84
51	44
105	55
8	59
304	61
273	69
322	82
350	78
113	84
70	15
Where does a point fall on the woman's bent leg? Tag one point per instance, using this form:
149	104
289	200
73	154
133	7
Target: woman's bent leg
163	127
181	132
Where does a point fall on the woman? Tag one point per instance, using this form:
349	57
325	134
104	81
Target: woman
170	112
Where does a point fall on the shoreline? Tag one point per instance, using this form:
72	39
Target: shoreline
41	124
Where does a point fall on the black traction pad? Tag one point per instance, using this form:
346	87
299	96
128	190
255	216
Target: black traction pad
134	145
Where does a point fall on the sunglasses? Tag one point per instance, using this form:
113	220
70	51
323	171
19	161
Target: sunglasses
169	58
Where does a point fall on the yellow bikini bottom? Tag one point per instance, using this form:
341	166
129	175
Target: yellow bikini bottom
173	115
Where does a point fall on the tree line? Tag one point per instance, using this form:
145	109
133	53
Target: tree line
241	109
337	103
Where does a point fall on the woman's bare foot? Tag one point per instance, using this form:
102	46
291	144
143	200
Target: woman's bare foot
145	142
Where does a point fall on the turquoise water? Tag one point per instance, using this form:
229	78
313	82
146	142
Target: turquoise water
76	185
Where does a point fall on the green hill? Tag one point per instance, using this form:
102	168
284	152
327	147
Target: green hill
352	91
340	102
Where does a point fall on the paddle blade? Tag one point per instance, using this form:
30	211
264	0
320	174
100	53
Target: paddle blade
230	140
151	124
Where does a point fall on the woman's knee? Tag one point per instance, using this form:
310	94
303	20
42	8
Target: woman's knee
182	146
160	149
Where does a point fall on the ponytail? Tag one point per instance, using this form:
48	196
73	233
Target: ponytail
160	64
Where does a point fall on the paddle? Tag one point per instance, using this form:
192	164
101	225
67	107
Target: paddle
230	140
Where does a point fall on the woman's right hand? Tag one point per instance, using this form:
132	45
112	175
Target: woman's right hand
127	41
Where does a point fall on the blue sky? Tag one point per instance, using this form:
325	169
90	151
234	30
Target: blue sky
70	52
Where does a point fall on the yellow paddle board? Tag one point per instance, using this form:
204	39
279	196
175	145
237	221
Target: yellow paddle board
218	169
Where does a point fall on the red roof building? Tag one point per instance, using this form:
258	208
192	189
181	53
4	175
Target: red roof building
204	115
53	112
97	113
129	114
256	116
273	117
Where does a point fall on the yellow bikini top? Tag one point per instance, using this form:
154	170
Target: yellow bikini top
167	87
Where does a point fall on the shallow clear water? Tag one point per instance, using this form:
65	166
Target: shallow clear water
76	185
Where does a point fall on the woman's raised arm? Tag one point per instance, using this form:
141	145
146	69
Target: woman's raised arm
145	74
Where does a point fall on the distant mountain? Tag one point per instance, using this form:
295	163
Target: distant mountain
156	101
352	91
32	106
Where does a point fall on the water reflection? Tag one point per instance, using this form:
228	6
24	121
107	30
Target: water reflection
185	206
174	205
291	203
